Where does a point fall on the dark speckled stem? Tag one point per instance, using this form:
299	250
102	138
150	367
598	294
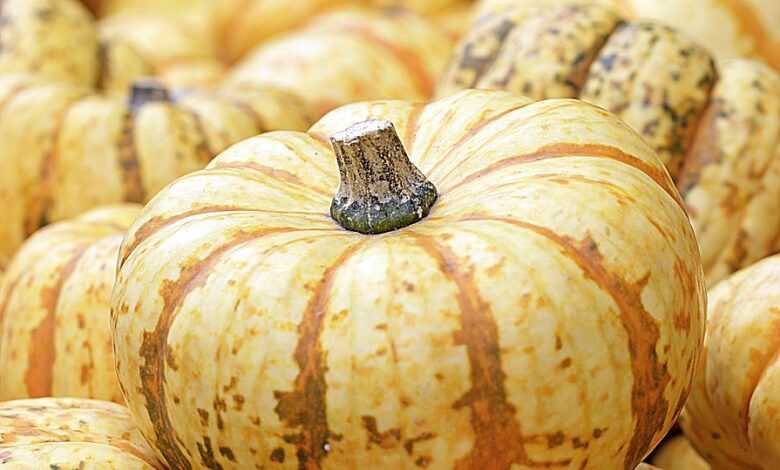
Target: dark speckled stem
147	91
381	190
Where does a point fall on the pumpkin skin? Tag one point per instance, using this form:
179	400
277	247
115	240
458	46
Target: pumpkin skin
452	343
54	314
65	150
731	415
678	454
391	55
728	28
54	38
67	434
718	132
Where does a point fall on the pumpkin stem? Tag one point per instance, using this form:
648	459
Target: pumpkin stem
147	91
381	190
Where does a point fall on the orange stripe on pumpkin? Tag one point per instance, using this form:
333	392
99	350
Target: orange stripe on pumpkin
571	150
651	377
305	406
154	345
40	364
499	442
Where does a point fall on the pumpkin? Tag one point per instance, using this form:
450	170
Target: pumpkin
252	329
178	49
717	132
54	309
54	38
731	417
728	28
64	433
64	150
678	454
351	56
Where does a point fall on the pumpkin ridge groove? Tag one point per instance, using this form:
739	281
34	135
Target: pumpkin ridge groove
12	285
515	125
38	206
154	345
493	419
273	173
651	377
474	131
305	406
570	150
42	354
203	147
156	223
129	165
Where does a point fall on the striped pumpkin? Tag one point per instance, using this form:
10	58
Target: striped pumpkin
70	434
731	417
352	56
717	132
251	329
54	309
64	150
728	28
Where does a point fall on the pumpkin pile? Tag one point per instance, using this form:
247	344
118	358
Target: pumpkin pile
717	129
381	234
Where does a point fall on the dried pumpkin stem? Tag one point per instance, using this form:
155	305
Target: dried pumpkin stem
147	91
381	189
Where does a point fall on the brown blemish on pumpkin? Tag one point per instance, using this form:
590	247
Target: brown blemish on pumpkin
41	356
564	150
498	439
555	440
227	452
651	377
478	65
304	407
207	457
410	443
386	440
154	346
277	455
203	151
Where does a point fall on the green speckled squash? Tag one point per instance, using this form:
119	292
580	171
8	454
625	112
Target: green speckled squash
716	130
546	311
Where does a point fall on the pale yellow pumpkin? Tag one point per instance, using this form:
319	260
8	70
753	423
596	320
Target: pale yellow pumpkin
351	56
731	417
54	38
678	454
727	28
64	150
71	434
54	309
717	131
548	311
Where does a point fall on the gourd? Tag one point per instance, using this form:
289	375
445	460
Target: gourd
64	433
678	454
718	132
54	309
727	28
351	56
731	416
252	329
64	150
